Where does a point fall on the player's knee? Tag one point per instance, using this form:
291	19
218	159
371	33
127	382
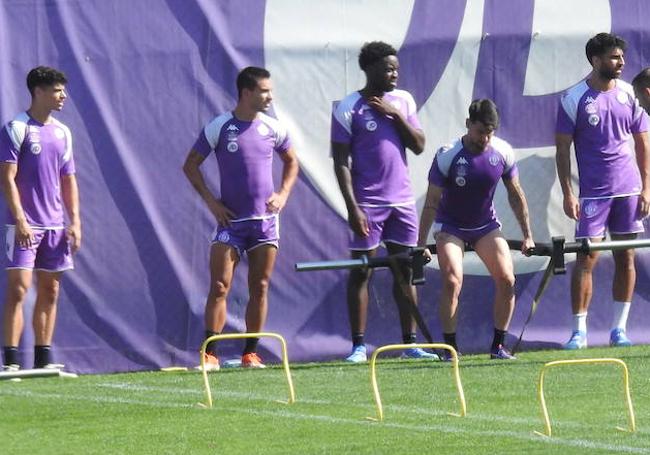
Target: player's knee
48	291
260	287
505	281
219	289
453	282
16	293
359	277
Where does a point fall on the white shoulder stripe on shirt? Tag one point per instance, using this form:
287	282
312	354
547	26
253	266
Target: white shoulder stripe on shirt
343	111
446	154
280	132
505	150
212	130
68	140
571	98
17	129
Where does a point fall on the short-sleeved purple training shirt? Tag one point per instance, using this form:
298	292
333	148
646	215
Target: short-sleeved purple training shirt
43	153
469	180
379	168
244	151
602	124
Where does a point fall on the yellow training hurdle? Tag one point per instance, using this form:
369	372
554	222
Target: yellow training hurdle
394	347
232	336
626	386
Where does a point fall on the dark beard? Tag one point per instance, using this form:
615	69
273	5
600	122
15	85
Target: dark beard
607	75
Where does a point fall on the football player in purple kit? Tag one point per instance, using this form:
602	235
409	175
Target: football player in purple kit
599	116
462	181
247	209
371	129
39	184
641	84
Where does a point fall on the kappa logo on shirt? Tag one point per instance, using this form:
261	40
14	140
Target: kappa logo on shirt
231	133
462	160
590	100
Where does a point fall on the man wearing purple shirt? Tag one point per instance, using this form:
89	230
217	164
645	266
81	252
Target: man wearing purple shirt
371	129
462	181
39	184
599	115
641	85
247	209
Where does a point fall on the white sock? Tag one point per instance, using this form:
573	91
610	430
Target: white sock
580	322
621	310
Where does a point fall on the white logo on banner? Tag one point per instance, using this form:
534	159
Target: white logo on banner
549	41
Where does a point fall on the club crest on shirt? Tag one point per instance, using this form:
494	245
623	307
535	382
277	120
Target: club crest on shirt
232	147
35	148
371	125
494	160
591	108
593	119
460	181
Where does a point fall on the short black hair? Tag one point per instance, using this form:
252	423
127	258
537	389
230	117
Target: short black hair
374	51
484	111
249	76
601	43
642	80
44	76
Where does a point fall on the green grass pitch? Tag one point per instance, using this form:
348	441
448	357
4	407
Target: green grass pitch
157	413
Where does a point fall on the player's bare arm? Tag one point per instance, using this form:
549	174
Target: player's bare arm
413	138
278	199
356	218
192	169
428	215
70	193
642	150
24	234
517	201
563	163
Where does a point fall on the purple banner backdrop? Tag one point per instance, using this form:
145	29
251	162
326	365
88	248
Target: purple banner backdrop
145	77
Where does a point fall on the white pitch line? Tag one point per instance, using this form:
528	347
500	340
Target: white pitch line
533	422
338	420
447	429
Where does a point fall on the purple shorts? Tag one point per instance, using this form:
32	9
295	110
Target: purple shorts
49	252
245	235
616	215
470	236
388	224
